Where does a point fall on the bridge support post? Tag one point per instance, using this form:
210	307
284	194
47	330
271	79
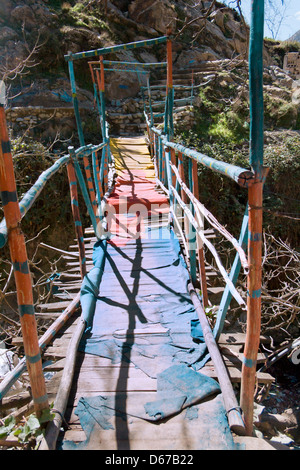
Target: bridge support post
253	304
86	196
75	102
234	273
22	274
168	126
76	216
192	240
255	201
201	259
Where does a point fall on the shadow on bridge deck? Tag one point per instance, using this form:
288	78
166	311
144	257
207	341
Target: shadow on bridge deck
138	384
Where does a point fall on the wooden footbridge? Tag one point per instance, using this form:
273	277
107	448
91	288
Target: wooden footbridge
136	362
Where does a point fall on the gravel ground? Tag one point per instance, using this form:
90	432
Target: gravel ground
278	414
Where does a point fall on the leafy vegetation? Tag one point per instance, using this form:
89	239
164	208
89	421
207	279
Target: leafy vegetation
29	431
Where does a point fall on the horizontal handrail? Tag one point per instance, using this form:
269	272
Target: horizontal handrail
184	87
87	150
135	64
144	72
32	194
117	48
178	100
241	176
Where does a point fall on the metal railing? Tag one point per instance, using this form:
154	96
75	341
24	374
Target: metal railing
170	161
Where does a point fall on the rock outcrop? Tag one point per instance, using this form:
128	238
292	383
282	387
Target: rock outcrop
203	34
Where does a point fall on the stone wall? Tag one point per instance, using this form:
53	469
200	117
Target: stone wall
45	123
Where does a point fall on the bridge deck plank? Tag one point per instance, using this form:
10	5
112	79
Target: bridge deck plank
95	375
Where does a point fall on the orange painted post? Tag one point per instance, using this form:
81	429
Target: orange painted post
156	158
173	161
90	186
22	275
105	156
98	182
88	170
169	64
201	259
102	74
255	202
105	174
76	216
253	302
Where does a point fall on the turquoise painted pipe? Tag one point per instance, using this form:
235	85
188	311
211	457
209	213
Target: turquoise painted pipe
256	86
30	197
84	190
90	285
75	103
233	276
135	64
240	175
127	70
112	49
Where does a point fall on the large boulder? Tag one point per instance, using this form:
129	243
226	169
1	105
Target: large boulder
7	34
195	56
121	85
23	14
32	14
158	14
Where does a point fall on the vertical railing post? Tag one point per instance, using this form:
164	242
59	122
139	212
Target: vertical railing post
96	97
105	174
169	128
90	185
76	216
183	195
233	276
160	159
105	152
201	259
192	230
22	274
192	88
169	175
75	102
101	83
81	136
99	191
149	101
163	166
255	199
173	161
84	190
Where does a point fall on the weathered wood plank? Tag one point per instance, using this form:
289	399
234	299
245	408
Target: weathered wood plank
55	305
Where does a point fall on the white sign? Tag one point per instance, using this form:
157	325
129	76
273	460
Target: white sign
2	92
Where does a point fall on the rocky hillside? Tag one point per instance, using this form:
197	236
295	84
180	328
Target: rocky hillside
55	28
209	38
36	34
